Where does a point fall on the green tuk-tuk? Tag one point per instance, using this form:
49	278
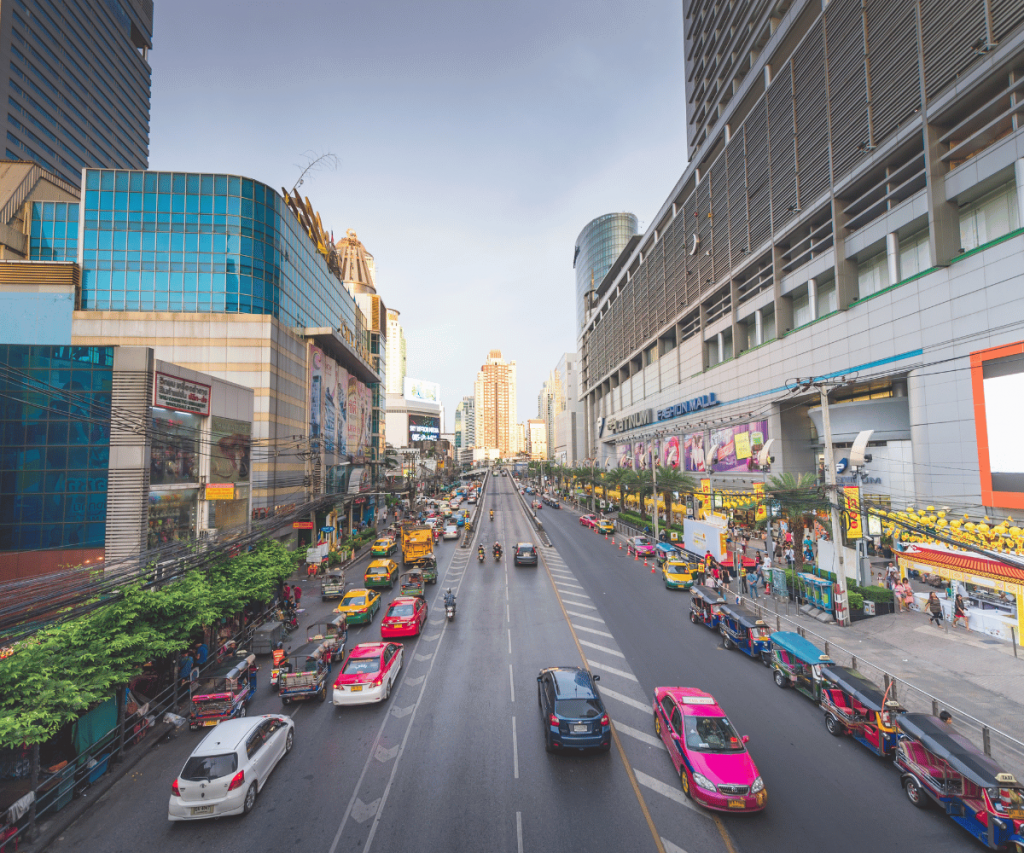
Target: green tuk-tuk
412	583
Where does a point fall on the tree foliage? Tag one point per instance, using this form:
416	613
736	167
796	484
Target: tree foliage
62	671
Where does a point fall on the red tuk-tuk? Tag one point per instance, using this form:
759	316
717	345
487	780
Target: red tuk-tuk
223	692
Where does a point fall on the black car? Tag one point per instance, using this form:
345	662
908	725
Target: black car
526	555
571	710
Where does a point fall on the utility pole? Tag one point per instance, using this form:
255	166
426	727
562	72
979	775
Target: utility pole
842	606
654	495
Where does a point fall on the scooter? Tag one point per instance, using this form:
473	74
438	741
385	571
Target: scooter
492	515
449	606
480	556
497	556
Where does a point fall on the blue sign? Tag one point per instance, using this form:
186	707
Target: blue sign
841	465
704	401
327	529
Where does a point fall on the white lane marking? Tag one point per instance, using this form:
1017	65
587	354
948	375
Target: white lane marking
670	847
515	750
590	645
574	595
601	668
566	583
519	830
563	572
593	631
627	700
581	604
508	616
674	794
584	616
510	641
511	683
644	737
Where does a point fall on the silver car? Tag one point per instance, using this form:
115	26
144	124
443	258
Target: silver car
230	766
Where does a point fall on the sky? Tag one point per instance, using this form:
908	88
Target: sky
474	141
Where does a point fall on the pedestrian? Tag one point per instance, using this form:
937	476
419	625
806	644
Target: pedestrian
789	538
715	576
946	717
286	592
899	593
790	557
935	609
752	581
725	576
297	593
759	576
960	611
892	575
743	576
202	653
185	667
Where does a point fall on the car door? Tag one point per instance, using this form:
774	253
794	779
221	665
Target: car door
421	607
275	735
396	663
665	708
677	747
255	755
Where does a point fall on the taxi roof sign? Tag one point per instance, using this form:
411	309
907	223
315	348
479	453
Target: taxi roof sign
698	700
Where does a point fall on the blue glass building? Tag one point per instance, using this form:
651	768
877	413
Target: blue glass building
597	247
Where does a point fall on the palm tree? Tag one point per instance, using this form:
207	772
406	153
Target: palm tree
799	495
670	480
612	480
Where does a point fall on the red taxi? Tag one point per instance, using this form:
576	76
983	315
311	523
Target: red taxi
406	617
714	766
368	674
588	520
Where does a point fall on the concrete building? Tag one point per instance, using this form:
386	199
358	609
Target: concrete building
413	422
845	216
78	84
465	424
600	242
396	355
568	440
519	445
495	404
537	439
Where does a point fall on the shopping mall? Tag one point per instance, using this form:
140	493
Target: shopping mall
864	234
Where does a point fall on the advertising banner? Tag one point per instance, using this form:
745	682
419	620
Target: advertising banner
737	447
625	455
353	415
418	389
341	399
851	503
220	491
182	395
424	428
639	456
670	452
330	393
316	391
366	413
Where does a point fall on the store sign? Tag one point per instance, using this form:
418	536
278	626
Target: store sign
851	502
638	419
182	395
697	404
220	491
302	525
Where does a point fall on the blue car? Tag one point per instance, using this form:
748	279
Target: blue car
571	708
460	520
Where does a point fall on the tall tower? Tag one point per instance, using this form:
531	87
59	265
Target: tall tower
465	423
396	354
599	244
495	399
357	266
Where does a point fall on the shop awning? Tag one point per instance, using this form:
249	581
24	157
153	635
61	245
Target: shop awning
966	563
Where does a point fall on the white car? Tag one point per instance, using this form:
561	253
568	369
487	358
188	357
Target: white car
451	531
230	766
368	674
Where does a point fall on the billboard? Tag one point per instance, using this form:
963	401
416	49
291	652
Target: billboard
424	428
353	420
736	447
418	389
625	455
330	409
341	401
181	395
997	379
316	390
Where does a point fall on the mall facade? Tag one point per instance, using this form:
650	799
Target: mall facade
844	217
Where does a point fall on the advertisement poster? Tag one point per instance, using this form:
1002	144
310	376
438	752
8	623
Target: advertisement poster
639	456
353	415
366	413
670	452
625	456
330	392
341	399
316	380
420	390
851	502
736	447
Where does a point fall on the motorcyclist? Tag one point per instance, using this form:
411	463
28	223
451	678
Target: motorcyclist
480	552
497	549
492	515
449	599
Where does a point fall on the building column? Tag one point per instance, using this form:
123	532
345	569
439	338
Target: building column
892	255
943	216
845	269
812	297
1018	174
758	328
721	347
783	304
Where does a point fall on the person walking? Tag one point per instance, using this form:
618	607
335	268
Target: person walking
297	593
790	557
960	611
286	593
752	581
891	575
935	609
899	593
743	577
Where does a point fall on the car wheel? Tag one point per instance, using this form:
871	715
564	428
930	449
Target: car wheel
289	742
916	795
833	725
657	725
548	745
684	781
387	690
780	679
242	711
693	617
250	799
727	642
285	700
323	692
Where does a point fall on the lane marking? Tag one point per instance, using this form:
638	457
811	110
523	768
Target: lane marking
603	668
519	830
515	750
636	734
508	616
590	645
594	631
626	700
566	583
582	595
510	641
673	793
578	604
511	684
584	616
670	847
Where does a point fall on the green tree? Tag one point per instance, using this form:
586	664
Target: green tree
672	480
799	496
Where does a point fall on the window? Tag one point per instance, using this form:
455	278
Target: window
872	275
802	307
827	301
175	454
915	255
989	217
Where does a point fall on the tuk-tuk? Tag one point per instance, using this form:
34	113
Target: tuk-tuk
310	682
748	635
412	583
797	663
223	692
680	571
332	635
665	551
705	606
428	565
939	764
266	637
332	585
854	706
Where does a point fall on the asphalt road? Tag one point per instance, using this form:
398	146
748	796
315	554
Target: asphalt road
455	760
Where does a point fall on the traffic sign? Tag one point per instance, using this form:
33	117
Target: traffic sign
327	529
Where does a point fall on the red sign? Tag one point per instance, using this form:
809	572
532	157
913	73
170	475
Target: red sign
182	395
303	525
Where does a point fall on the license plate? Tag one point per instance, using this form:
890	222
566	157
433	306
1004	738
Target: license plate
356	689
736	804
581	728
210	723
1016	814
202	810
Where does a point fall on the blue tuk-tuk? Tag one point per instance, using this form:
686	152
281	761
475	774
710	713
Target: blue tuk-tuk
938	764
750	636
705	606
665	551
797	663
854	706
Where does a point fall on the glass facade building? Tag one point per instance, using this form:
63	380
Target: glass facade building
55	448
54	234
170	241
78	83
597	247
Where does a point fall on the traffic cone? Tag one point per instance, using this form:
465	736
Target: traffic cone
606	537
645	562
652	568
635	557
620	546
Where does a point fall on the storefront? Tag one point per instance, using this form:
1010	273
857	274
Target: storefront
172	516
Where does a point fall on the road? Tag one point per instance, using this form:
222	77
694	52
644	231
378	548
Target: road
454	760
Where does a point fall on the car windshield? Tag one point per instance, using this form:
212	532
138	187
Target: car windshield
641	541
358	666
203	768
400	610
578	709
711	734
359	598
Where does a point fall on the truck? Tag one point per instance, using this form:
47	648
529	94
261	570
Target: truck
417	544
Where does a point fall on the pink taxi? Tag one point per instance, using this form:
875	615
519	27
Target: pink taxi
714	766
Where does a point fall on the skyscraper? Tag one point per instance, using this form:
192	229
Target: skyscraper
396	354
78	84
495	399
465	423
600	242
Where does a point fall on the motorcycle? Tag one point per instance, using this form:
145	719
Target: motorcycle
449	606
492	515
480	556
497	555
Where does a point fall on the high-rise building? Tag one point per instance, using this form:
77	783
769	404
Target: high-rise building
537	439
465	423
567	443
551	401
519	446
396	354
495	404
600	242
78	84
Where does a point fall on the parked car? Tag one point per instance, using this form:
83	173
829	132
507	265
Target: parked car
641	546
605	526
229	767
588	520
571	708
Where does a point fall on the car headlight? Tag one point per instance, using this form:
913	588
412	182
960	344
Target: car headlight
757	786
703	782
